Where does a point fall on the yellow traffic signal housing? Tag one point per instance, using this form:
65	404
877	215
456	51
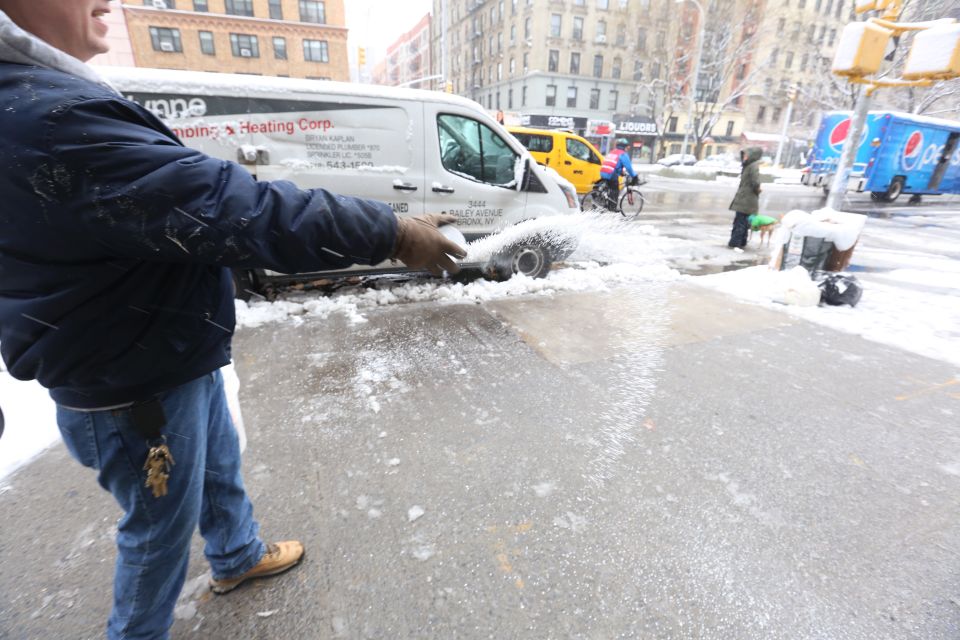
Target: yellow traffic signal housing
361	56
449	87
861	49
934	54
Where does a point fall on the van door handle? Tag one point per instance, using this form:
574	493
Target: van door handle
567	162
404	186
439	188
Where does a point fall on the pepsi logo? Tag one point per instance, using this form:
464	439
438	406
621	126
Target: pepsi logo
839	134
912	151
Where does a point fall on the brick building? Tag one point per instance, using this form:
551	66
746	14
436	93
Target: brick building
408	58
290	38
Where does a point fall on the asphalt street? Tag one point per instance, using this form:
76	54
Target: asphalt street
658	461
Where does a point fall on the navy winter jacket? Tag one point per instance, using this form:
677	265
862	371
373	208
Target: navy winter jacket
115	241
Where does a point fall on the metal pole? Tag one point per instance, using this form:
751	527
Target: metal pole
783	133
696	77
838	189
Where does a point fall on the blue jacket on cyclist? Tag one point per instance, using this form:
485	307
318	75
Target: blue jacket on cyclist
617	161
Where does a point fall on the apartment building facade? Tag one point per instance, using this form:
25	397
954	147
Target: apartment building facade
574	64
796	43
291	38
409	58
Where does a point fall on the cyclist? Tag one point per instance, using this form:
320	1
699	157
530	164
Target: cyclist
616	162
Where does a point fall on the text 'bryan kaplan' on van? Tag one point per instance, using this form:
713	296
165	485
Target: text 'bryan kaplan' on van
420	151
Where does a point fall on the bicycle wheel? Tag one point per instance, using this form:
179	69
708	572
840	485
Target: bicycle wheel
631	203
591	201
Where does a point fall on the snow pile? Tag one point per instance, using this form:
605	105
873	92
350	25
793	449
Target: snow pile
913	320
31	422
609	252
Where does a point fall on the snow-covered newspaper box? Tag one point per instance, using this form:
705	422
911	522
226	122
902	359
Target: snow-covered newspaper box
822	240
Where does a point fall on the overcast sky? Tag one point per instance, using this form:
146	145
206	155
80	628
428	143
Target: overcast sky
375	24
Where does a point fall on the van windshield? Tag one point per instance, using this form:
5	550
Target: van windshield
471	149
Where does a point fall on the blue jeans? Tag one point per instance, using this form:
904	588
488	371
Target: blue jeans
204	488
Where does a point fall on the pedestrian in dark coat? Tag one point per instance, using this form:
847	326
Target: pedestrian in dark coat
116	243
747	200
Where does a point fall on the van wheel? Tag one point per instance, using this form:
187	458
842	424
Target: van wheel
894	190
530	258
244	286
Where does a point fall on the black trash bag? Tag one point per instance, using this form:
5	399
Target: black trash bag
839	288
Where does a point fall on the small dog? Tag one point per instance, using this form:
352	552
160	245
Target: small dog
765	225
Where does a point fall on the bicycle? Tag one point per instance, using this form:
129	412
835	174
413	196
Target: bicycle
629	203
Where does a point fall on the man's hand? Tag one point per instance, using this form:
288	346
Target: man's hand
420	245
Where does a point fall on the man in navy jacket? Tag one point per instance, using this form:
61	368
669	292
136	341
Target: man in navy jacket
115	294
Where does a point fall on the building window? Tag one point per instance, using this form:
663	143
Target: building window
166	40
788	61
244	46
578	28
601	31
730	125
555	25
775	116
642	40
621	35
276	10
509	98
313	11
206	43
526	29
638	71
553	60
200	6
526	62
603	4
655	70
169	4
279	48
315	51
240	7
617	66
614	99
572	97
761	113
551	95
672	124
774	55
523	96
598	66
513	67
574	63
594	98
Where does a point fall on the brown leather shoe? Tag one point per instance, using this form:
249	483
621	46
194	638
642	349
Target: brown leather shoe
279	557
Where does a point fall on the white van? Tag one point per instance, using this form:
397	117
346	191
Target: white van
420	151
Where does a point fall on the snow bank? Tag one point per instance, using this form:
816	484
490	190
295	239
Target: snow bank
31	422
915	321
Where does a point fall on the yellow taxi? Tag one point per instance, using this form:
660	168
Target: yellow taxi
567	153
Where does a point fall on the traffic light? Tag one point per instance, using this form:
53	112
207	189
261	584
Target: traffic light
861	49
449	87
361	56
934	54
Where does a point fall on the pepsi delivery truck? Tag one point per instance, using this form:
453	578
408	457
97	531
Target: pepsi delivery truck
898	153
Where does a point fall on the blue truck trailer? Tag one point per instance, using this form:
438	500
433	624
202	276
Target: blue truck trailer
898	153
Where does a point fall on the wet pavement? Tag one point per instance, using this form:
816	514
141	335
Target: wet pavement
657	461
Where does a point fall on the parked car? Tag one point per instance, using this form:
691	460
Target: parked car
419	151
571	156
676	159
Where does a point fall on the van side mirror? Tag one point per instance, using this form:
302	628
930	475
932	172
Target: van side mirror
531	183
